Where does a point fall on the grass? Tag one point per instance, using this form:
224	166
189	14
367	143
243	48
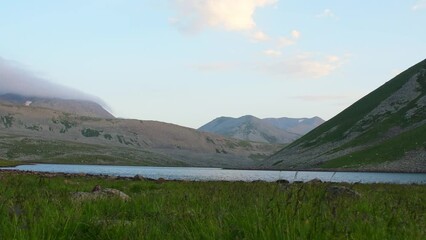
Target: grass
7	120
389	150
47	151
9	163
87	132
40	207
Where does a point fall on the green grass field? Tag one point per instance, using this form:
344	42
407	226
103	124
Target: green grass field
41	207
9	163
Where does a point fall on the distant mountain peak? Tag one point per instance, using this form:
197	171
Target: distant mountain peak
270	130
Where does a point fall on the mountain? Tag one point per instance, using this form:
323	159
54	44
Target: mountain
269	130
41	134
385	131
299	126
78	107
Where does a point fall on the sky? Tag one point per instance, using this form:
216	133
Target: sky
190	61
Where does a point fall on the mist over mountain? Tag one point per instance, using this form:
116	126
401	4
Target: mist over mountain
17	79
78	107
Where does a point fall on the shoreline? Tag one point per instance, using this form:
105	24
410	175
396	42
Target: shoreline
162	180
16	164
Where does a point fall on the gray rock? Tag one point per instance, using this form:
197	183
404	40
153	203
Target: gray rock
99	193
138	178
315	181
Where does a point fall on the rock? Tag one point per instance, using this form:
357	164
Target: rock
282	181
335	191
99	193
161	180
116	193
315	181
138	178
97	188
85	196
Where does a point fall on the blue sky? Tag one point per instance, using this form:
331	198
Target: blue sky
190	61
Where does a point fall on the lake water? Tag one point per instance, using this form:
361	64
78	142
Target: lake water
217	174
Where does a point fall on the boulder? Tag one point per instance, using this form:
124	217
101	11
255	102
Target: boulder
100	193
315	181
138	178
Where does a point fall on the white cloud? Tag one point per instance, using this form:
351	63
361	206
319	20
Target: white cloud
272	53
307	65
260	36
288	41
295	34
285	42
421	4
230	15
327	13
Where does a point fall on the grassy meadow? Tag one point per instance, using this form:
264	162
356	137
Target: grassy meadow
41	207
9	163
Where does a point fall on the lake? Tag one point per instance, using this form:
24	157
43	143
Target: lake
217	174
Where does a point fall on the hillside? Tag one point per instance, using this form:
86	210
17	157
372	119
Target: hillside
385	130
269	130
299	126
41	134
78	107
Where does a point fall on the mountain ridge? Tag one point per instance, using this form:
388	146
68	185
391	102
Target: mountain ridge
268	130
364	135
73	106
42	134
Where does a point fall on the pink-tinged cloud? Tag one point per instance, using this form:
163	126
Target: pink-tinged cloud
231	15
307	65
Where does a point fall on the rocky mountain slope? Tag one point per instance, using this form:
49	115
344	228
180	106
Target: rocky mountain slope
299	126
42	134
385	130
269	130
78	107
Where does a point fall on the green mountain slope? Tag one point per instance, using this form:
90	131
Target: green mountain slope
384	130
